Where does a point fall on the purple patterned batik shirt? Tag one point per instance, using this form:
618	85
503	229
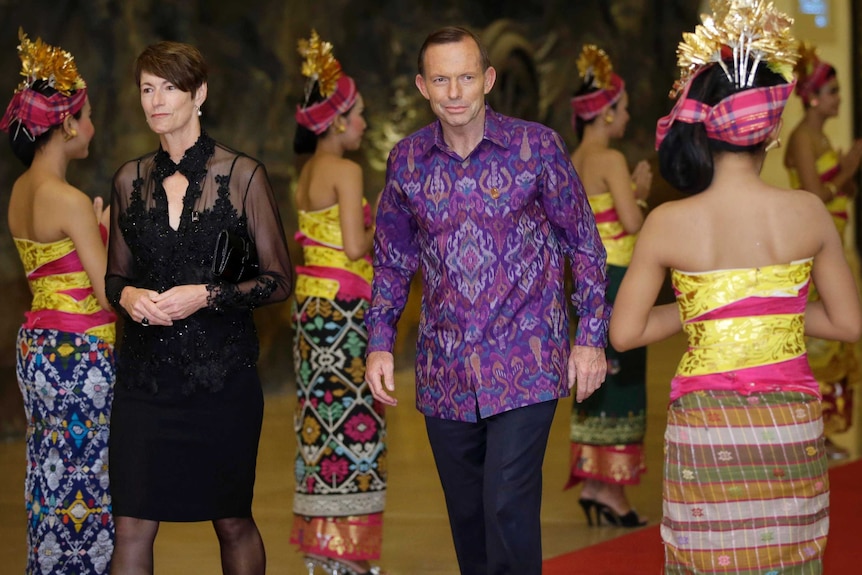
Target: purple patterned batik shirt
491	234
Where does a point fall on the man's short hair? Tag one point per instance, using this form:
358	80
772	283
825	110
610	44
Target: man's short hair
451	35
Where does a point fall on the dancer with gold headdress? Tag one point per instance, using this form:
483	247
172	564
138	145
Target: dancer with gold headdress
746	488
65	359
607	430
814	165
340	428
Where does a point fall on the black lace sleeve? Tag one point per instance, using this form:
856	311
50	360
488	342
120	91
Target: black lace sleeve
275	281
120	270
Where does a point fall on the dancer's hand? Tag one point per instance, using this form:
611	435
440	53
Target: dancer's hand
642	180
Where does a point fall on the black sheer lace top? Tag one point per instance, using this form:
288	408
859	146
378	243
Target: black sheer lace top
226	190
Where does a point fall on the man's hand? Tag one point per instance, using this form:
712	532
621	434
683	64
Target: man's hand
587	368
380	374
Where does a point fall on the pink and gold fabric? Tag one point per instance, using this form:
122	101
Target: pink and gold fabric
745	330
38	112
745	118
318	117
828	166
835	364
63	298
813	79
328	271
590	105
618	243
746	487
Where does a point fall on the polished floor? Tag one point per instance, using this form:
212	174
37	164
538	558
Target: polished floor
416	538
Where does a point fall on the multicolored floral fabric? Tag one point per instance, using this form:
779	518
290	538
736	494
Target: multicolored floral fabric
491	234
341	457
340	429
340	467
65	369
746	489
67	381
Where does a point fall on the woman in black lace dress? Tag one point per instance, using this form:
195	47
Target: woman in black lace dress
189	406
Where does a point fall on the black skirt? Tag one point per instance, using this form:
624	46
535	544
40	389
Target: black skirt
175	457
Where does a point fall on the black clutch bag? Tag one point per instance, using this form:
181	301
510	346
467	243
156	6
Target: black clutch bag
235	258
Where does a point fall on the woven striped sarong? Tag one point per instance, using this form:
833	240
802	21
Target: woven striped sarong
746	489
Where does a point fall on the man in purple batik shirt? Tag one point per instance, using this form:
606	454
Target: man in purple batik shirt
489	208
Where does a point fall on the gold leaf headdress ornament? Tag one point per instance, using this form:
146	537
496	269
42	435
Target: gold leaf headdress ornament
595	67
808	58
740	30
40	61
812	72
337	89
31	111
320	66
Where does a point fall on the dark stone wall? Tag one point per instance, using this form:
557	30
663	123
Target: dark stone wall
255	84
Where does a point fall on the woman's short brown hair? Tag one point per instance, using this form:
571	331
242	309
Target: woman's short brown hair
181	64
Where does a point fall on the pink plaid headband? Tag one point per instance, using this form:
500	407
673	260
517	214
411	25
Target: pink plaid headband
38	113
318	117
743	119
588	106
808	86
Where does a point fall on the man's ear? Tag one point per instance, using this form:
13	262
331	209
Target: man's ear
490	78
420	84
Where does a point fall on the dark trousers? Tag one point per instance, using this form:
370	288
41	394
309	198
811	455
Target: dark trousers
491	472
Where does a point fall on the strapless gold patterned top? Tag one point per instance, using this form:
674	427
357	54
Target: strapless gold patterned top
328	272
63	298
745	329
618	243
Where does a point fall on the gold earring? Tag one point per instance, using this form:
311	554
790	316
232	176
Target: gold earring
340	128
773	145
609	118
70	134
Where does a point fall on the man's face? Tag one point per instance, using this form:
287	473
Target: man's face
455	84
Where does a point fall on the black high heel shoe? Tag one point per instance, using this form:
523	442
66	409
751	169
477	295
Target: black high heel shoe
588	505
630	519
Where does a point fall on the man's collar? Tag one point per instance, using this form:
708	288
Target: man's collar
493	132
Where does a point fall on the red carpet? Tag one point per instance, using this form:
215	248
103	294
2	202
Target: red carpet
641	551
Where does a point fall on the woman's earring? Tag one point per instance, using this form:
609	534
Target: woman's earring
609	118
773	145
815	102
200	112
70	134
340	128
